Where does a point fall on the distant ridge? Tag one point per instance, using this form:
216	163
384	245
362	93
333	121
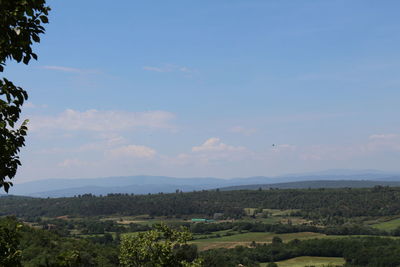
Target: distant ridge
144	184
315	184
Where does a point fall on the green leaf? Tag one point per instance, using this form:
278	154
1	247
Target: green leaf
35	38
26	59
44	19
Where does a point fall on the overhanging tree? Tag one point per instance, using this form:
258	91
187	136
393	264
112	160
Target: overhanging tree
21	23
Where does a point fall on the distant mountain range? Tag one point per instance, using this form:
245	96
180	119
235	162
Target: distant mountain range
315	184
156	184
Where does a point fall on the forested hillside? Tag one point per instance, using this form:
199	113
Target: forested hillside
377	201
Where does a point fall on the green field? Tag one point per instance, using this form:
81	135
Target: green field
388	225
143	220
277	212
269	220
246	238
309	261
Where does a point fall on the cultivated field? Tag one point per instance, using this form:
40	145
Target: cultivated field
388	225
310	261
245	239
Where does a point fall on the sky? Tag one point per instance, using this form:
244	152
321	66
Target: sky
227	88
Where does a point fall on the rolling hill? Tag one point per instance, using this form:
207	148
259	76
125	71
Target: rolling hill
154	184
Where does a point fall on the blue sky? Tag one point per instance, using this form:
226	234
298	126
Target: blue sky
204	88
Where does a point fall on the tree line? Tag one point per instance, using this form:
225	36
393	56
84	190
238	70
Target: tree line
329	204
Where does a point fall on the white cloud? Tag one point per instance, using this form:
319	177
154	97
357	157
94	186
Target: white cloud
100	146
243	130
383	136
214	144
102	142
73	163
70	70
169	68
133	151
213	150
156	69
283	147
324	152
31	105
376	146
383	142
102	121
63	69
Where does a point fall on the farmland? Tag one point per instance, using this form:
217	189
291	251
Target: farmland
246	239
388	225
292	227
309	261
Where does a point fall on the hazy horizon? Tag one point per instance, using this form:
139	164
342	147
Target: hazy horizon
333	172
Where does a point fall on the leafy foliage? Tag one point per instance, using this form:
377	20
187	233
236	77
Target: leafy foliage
20	26
10	140
21	23
10	255
46	248
161	246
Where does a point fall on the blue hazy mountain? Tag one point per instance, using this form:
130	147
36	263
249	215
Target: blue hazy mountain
315	184
143	184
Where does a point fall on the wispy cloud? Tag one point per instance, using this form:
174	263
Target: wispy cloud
243	130
156	69
373	147
384	136
133	151
214	144
383	142
70	70
169	68
74	163
102	121
214	150
283	148
31	105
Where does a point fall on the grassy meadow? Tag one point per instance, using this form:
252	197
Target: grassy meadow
387	225
309	261
245	239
